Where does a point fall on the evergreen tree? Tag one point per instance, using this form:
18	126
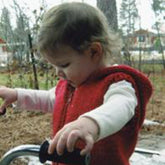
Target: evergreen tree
6	31
21	32
158	7
128	16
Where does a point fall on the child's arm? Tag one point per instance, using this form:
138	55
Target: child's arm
118	108
28	99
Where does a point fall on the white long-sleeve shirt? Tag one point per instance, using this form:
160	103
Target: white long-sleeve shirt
117	109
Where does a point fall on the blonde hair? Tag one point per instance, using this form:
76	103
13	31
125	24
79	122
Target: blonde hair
76	24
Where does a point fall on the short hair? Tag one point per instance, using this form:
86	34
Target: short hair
77	25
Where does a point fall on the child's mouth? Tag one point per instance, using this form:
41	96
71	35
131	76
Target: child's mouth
71	83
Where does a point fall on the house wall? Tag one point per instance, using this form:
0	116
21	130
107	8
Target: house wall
144	39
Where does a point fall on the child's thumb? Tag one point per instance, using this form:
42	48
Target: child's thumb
3	108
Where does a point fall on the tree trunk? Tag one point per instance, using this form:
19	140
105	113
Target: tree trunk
108	7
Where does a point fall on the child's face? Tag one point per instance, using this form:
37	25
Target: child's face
73	66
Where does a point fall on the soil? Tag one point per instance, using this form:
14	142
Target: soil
22	127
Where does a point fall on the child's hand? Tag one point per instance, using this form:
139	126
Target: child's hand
9	96
83	128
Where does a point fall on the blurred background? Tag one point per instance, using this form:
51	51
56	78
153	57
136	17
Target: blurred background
140	24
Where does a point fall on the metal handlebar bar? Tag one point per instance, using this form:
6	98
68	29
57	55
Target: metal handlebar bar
42	152
28	150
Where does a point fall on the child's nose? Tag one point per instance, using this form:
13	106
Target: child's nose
60	73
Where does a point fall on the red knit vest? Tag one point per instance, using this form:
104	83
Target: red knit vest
70	103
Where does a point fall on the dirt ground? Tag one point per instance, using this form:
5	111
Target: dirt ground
21	127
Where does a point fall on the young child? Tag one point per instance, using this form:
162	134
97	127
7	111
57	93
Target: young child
95	107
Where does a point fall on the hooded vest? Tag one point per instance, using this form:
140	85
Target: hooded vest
71	102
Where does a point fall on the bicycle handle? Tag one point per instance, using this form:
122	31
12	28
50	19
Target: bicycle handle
67	157
42	153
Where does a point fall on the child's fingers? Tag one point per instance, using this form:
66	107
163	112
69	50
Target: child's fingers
3	108
59	141
68	136
53	142
61	144
52	146
89	145
72	139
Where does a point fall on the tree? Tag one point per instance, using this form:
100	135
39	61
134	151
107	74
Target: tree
38	16
6	31
158	7
128	16
108	7
21	37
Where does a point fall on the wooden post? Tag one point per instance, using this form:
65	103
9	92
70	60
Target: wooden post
36	86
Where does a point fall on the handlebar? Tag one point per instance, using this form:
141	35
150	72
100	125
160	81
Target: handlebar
67	157
42	152
28	150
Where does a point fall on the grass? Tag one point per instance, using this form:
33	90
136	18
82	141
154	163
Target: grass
148	68
26	80
3	79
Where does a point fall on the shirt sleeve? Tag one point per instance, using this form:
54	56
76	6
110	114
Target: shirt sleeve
38	100
117	109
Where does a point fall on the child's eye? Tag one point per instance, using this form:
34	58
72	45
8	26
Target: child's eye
65	65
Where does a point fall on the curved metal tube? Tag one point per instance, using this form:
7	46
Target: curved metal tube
28	150
33	150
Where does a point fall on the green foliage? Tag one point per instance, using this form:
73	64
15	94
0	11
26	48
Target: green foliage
151	68
6	31
128	15
3	79
26	80
158	6
157	44
17	39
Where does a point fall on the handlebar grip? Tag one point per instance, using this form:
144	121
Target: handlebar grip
67	157
3	112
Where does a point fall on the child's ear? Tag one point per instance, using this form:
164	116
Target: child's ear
96	51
